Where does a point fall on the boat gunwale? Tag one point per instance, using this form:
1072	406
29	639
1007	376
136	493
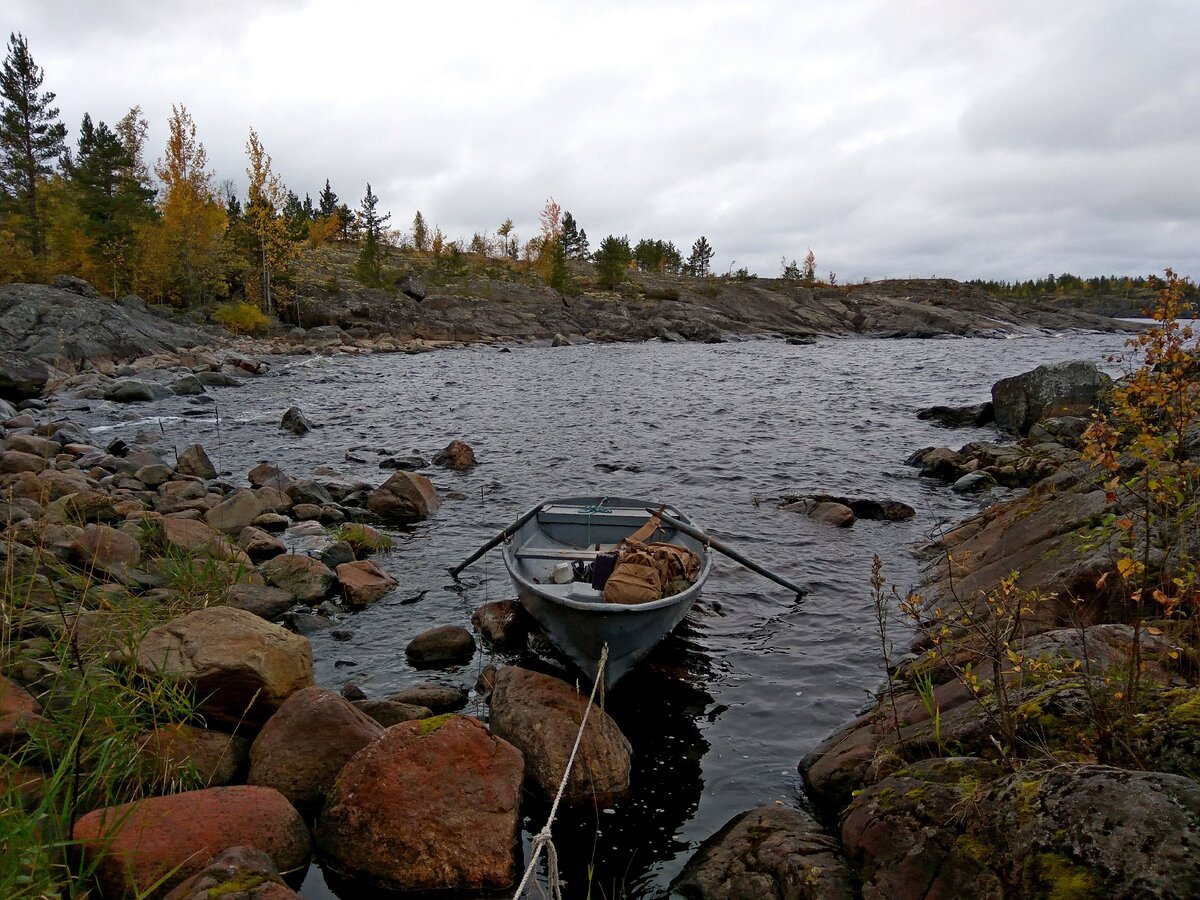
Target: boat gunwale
601	607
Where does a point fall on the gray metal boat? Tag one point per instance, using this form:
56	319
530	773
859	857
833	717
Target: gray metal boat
574	615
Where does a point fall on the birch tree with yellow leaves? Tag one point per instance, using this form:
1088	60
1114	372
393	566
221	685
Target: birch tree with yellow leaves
273	246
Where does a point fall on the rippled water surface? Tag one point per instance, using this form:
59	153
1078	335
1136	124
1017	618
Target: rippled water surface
722	712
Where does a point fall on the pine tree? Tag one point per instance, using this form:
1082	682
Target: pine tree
368	268
612	261
791	271
700	262
31	137
570	235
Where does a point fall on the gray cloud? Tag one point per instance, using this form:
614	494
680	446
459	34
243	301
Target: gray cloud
933	137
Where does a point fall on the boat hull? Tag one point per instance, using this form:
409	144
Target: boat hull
581	634
576	619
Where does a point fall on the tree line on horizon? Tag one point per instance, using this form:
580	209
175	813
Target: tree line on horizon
170	232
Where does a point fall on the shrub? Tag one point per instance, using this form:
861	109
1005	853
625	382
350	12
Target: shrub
240	318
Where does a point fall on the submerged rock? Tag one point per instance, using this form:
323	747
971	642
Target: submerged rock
772	851
295	421
456	455
444	645
239	873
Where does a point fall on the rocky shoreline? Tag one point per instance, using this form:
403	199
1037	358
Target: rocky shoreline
281	769
52	332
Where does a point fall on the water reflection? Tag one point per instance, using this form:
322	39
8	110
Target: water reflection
613	851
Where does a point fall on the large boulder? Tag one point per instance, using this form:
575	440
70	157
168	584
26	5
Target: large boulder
241	666
134	390
430	805
306	579
1061	389
161	841
541	716
304	746
952	828
772	851
21	375
405	497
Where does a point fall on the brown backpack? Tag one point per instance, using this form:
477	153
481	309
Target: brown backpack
639	576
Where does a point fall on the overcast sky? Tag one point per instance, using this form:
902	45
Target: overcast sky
929	137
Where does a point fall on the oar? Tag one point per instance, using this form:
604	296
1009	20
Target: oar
726	549
507	532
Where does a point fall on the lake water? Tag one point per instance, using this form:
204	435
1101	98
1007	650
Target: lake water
722	712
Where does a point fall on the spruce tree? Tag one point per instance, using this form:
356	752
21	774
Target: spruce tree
31	137
369	267
111	199
327	201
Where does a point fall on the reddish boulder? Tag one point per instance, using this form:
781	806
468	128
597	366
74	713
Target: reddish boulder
405	497
218	759
304	746
430	805
363	582
541	716
164	840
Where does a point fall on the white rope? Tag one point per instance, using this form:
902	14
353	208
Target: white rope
542	840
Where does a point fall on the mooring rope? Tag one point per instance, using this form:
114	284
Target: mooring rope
542	841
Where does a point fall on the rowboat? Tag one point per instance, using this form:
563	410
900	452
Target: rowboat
574	615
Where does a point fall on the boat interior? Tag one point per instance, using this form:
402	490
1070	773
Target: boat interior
577	530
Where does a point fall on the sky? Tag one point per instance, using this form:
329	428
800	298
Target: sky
915	139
